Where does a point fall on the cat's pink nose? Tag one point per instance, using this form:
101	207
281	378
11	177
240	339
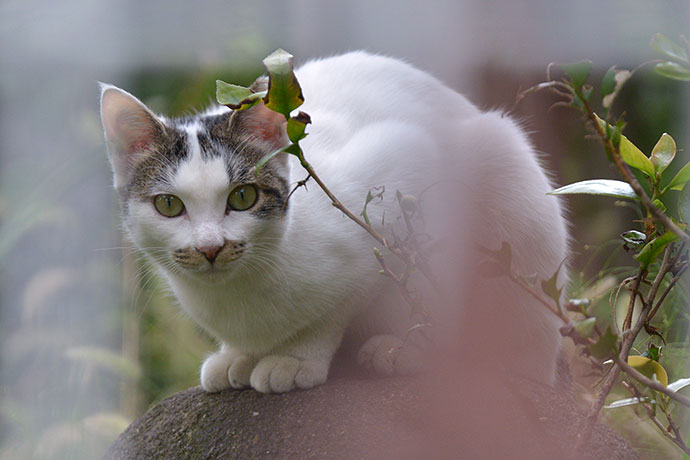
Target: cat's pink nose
210	252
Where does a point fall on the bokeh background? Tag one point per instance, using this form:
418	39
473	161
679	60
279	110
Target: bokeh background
88	339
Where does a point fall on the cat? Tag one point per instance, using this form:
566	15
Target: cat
279	282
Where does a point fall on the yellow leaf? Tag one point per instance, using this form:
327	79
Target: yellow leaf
649	368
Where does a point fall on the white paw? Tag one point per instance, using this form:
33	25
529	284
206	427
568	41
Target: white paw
280	374
226	369
389	355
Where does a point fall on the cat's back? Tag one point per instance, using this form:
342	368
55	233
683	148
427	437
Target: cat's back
364	88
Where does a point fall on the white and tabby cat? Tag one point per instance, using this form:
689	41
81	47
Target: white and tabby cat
279	287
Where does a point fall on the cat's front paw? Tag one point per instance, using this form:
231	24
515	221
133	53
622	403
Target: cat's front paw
280	374
226	369
389	355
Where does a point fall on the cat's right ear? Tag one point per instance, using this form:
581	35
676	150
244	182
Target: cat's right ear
131	130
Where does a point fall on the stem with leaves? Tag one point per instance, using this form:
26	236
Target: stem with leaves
660	232
628	175
284	96
671	431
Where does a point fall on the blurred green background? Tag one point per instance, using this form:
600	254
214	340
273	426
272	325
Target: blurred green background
88	337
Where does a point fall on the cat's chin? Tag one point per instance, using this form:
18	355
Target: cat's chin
212	274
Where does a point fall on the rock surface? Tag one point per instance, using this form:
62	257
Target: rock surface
358	418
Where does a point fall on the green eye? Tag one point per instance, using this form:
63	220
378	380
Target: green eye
243	197
168	205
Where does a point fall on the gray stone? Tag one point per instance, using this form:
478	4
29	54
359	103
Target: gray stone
368	418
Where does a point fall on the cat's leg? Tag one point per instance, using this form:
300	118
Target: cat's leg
227	368
302	364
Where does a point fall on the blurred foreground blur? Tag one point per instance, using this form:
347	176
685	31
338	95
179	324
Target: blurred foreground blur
87	338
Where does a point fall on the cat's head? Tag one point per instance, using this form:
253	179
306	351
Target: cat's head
189	193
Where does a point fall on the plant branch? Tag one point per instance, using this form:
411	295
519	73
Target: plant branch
539	297
301	183
401	282
653	384
404	256
610	380
668	289
666	431
629	176
634	291
666	265
591	420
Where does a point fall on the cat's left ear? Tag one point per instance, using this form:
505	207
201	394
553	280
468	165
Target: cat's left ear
263	125
131	130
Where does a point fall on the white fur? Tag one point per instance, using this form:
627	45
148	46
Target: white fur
281	309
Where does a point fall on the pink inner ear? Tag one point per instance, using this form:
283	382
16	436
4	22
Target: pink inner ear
267	132
139	145
266	124
129	127
134	130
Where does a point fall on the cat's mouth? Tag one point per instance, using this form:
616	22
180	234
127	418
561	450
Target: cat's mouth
209	260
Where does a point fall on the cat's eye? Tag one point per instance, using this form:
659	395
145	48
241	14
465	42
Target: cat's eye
242	197
168	205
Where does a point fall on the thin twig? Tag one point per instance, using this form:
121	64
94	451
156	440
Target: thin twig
613	301
664	268
670	286
676	438
403	255
590	421
301	183
653	384
627	323
539	297
401	282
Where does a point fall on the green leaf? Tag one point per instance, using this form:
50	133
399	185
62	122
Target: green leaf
284	93
664	45
578	72
652	352
673	70
651	251
264	159
611	85
674	386
550	287
578	305
631	154
608	83
635	158
649	368
625	402
663	153
606	187
585	328
605	346
237	97
295	129
659	204
634	237
376	195
680	179
684	204
678	384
